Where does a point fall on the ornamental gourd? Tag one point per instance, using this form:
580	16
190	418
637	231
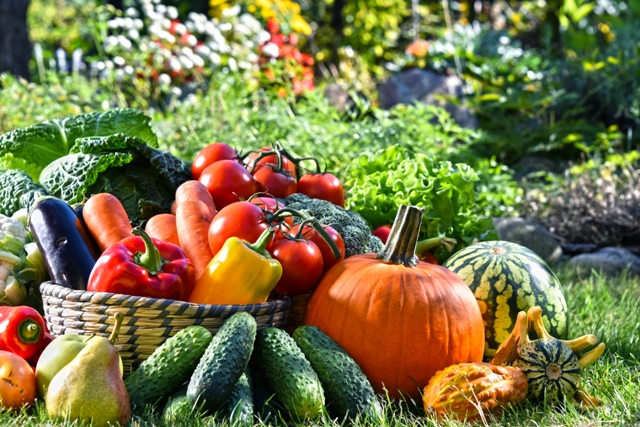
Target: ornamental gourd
400	319
553	367
467	390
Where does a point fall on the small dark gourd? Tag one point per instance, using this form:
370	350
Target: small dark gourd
553	367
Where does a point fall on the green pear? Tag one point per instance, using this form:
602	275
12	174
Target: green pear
90	387
56	355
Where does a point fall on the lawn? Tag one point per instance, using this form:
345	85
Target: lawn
607	307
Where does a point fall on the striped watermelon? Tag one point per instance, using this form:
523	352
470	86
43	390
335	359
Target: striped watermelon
507	278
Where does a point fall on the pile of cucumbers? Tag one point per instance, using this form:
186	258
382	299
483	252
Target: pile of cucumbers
249	375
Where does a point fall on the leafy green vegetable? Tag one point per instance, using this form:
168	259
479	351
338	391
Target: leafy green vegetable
379	183
17	191
32	148
142	177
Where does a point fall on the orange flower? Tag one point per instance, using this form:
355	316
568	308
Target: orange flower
418	48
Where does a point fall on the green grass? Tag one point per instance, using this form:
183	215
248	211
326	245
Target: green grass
608	307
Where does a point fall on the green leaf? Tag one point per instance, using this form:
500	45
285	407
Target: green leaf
582	11
32	148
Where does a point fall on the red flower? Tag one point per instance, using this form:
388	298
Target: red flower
272	26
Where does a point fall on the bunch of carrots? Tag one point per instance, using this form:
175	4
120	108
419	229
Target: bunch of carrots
188	228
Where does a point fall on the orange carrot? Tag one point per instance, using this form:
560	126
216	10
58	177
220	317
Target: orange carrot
193	233
163	227
195	190
106	219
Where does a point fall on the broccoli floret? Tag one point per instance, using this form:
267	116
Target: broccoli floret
353	229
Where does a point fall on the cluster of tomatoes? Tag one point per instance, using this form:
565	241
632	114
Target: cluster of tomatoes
244	190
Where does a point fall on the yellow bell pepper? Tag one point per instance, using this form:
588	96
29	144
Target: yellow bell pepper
240	273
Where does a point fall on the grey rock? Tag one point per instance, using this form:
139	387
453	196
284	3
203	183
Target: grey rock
419	85
610	261
531	164
530	235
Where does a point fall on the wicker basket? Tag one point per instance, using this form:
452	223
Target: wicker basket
148	322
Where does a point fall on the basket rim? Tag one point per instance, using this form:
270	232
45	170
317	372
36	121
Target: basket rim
49	288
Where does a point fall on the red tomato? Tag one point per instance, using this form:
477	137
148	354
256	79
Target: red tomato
323	186
277	184
428	257
209	155
287	164
17	381
382	232
328	259
228	181
270	204
240	219
301	265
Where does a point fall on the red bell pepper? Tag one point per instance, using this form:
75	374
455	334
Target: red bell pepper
22	330
143	266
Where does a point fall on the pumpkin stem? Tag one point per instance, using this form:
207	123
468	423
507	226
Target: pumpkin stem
401	244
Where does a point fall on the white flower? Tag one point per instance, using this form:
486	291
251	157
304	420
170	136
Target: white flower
127	23
131	12
244	65
176	91
108	64
263	37
133	34
504	40
119	61
112	41
271	49
138	23
243	29
225	26
119	75
124	42
166	53
231	11
174	64
233	65
164	79
203	50
186	51
167	36
186	63
161	9
180	29
129	70
192	99
197	61
190	26
100	65
172	12
192	40
215	58
105	105
113	23
166	24
251	22
200	27
252	57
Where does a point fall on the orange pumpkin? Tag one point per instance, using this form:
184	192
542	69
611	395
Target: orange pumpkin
466	390
17	381
400	318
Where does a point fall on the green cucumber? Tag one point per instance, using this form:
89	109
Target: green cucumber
223	362
177	407
289	373
168	367
265	403
346	387
239	406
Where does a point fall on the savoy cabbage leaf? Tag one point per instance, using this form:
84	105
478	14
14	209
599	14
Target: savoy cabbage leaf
32	148
144	178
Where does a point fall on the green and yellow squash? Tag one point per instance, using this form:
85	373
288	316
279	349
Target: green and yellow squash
507	278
